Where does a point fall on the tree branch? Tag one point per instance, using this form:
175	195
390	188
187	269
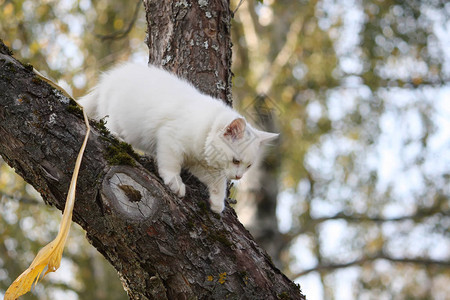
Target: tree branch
23	200
361	261
420	214
163	247
237	7
265	82
122	33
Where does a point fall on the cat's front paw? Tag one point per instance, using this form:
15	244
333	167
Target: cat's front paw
176	185
217	204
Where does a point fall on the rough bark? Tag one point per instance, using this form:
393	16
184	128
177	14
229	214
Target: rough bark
163	247
192	39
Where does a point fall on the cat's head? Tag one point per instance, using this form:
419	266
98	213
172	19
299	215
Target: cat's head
235	147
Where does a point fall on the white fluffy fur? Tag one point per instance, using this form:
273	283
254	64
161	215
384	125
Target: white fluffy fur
165	116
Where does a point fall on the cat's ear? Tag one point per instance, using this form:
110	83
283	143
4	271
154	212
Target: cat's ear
236	129
266	137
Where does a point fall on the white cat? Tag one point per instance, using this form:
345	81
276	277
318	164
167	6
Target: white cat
165	116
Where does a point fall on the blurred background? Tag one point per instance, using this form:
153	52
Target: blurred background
352	202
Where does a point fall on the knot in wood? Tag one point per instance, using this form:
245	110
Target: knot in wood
130	192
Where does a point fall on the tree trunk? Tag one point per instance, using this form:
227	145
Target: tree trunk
192	39
163	247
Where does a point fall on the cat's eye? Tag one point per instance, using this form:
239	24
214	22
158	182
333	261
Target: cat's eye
236	161
249	166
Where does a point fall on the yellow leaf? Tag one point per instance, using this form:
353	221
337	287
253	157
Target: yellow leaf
50	255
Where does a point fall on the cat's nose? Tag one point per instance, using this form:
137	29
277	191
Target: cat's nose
238	177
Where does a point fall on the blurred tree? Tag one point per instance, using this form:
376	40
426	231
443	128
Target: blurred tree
267	49
361	94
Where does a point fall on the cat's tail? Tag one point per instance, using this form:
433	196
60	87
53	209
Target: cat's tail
89	103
